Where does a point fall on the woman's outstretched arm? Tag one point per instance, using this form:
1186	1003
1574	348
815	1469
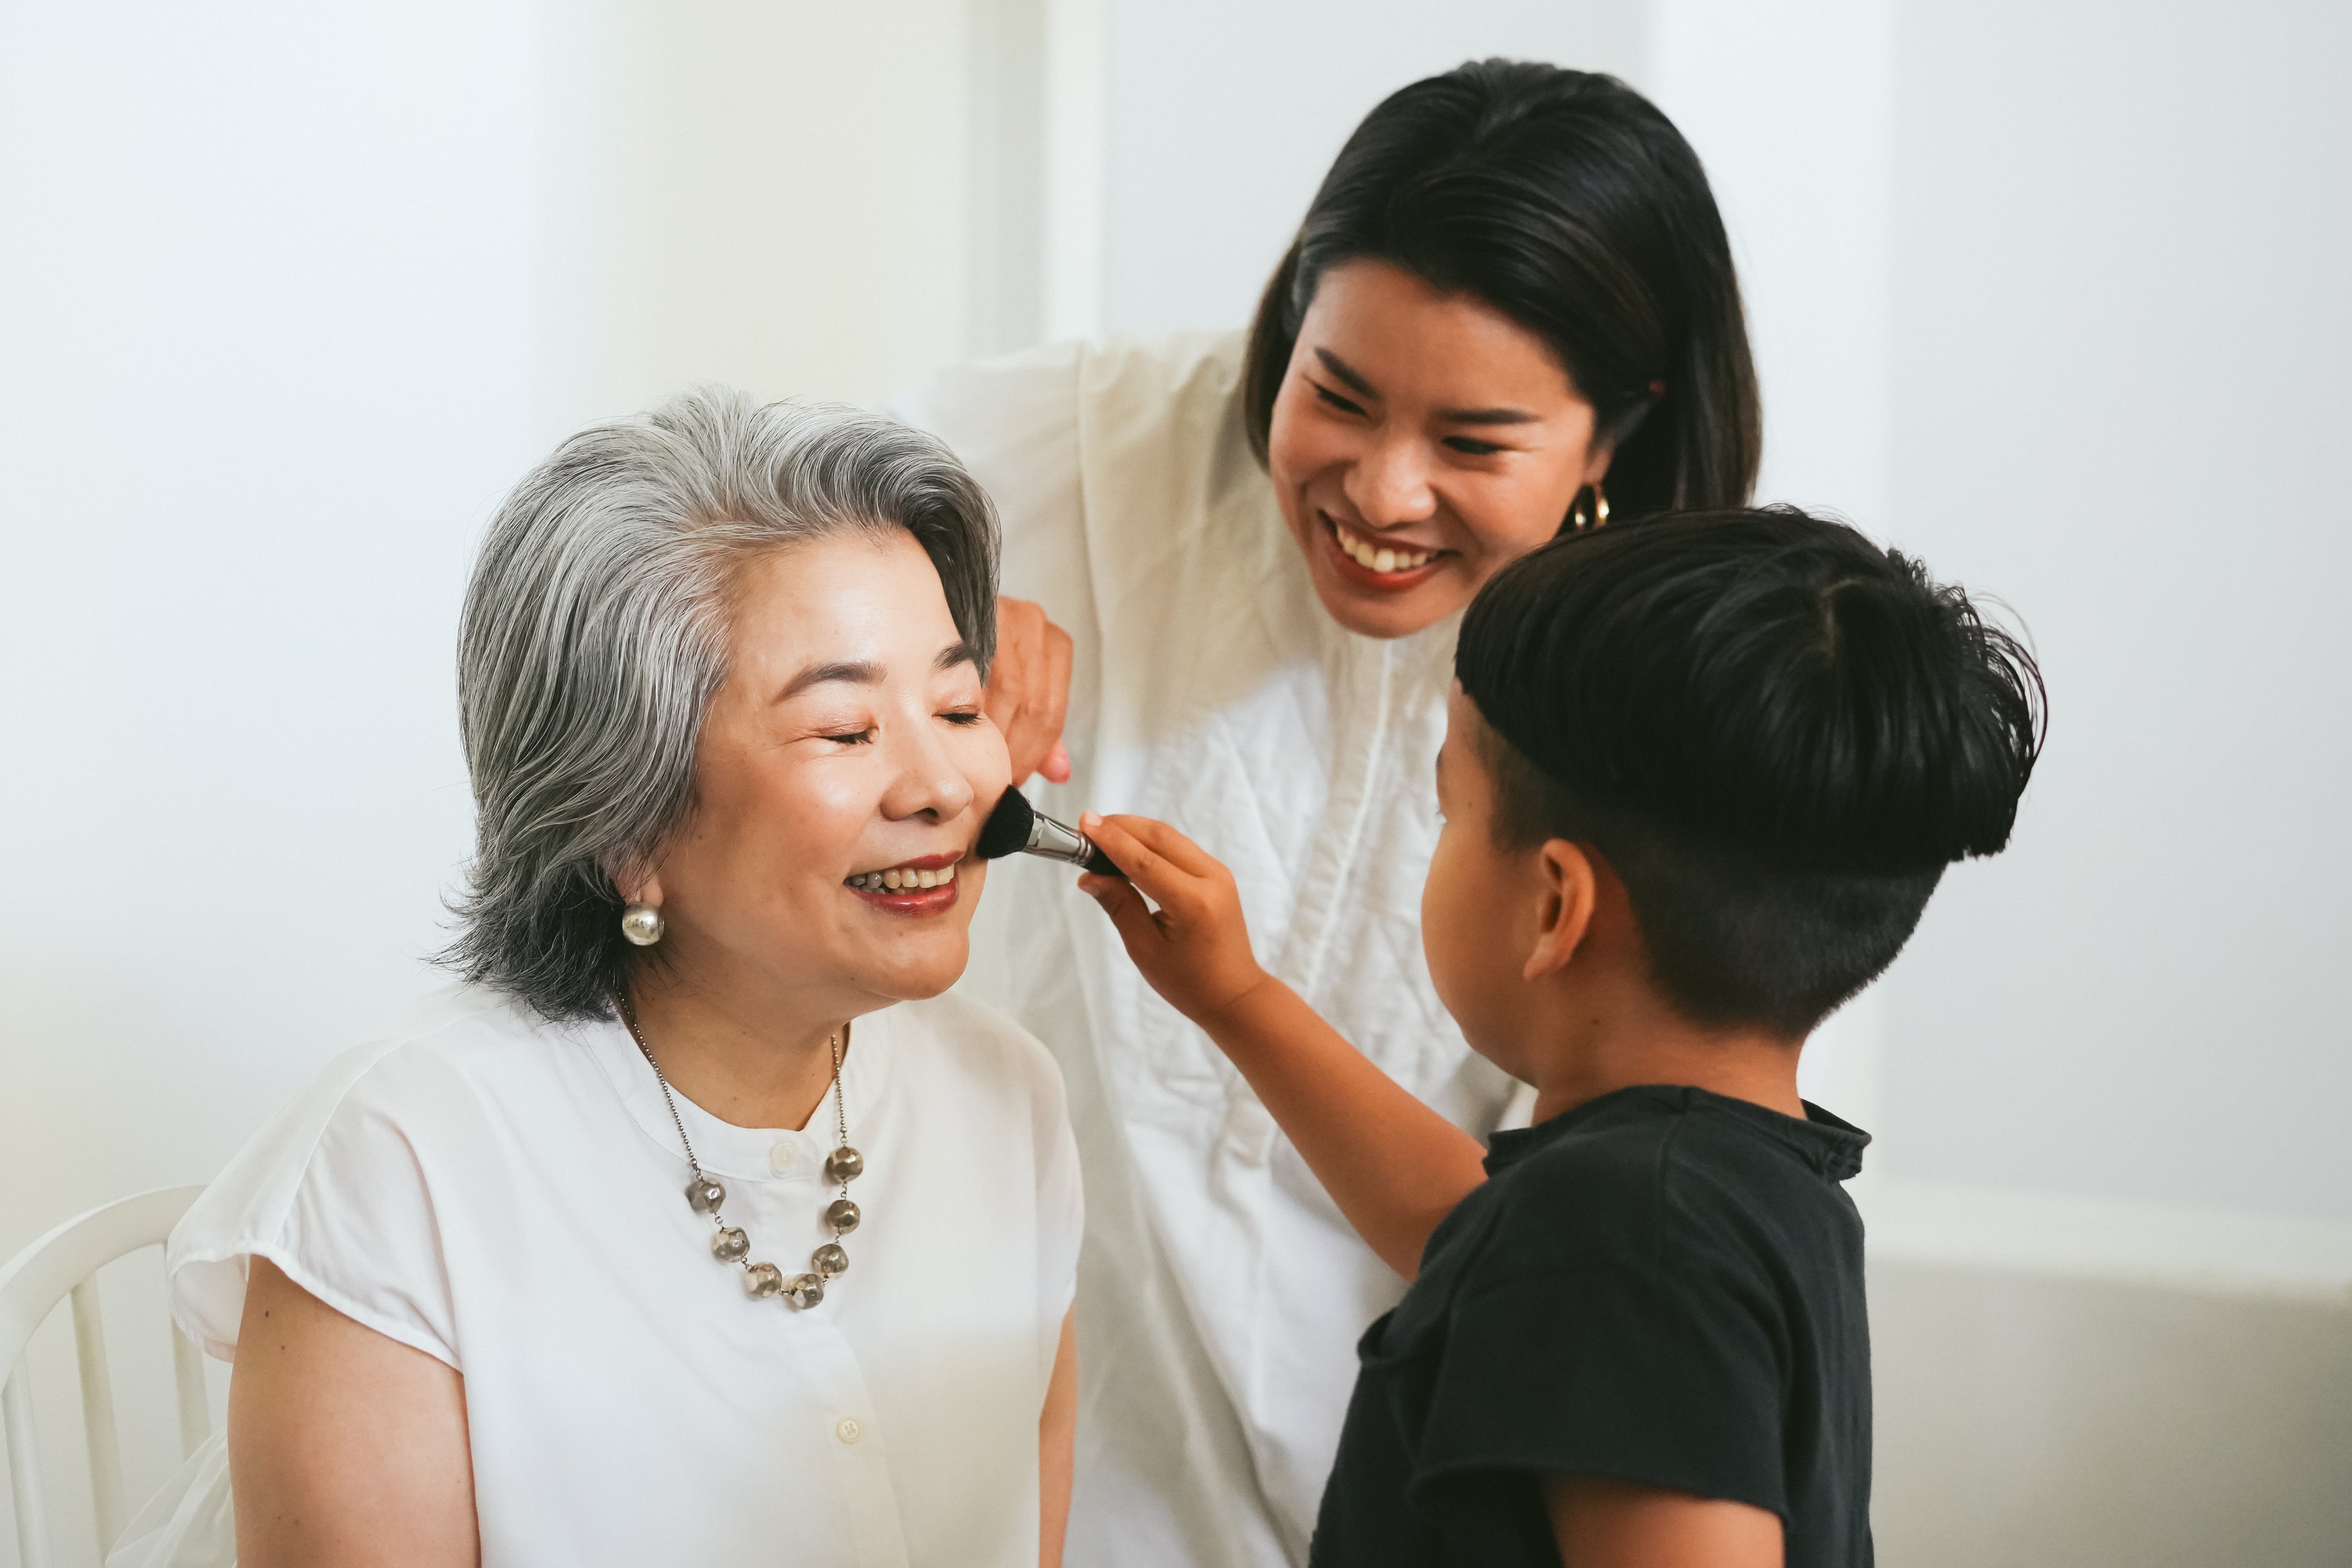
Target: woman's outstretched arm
346	1450
1393	1165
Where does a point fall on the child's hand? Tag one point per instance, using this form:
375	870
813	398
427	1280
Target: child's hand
1195	952
1394	1166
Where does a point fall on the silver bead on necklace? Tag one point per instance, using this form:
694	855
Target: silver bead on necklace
729	1244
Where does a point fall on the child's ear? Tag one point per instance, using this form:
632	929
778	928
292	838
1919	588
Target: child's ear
1571	887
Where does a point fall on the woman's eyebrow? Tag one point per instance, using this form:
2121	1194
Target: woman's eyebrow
1488	416
1346	373
1354	381
857	672
865	672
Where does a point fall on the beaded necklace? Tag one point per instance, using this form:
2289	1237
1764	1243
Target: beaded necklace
729	1244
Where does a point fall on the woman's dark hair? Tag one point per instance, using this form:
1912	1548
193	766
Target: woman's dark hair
1565	200
1776	732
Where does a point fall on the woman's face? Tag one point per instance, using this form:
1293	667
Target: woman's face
846	749
1421	442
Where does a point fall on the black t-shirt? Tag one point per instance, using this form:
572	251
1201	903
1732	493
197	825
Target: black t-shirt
1661	1285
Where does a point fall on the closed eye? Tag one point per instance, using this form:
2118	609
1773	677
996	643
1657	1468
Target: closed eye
962	716
852	738
1333	399
1471	446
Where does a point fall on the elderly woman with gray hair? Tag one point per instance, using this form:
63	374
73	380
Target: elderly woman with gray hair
695	1224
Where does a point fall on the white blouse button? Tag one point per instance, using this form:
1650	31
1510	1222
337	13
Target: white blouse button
780	1158
850	1431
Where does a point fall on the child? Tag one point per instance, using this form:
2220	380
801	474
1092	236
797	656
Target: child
1700	777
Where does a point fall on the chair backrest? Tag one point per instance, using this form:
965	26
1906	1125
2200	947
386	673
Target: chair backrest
64	1264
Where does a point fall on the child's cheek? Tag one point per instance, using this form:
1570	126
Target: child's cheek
1449	920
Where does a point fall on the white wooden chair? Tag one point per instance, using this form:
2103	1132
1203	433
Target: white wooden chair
64	1264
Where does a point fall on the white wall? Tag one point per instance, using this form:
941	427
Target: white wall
271	350
290	296
2120	333
773	195
1223	115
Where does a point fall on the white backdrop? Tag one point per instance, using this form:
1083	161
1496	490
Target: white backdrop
2120	337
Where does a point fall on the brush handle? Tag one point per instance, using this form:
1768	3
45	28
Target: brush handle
1059	841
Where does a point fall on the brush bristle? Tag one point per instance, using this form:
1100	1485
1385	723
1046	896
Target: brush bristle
1006	830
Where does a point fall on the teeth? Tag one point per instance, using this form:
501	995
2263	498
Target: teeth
895	881
1378	558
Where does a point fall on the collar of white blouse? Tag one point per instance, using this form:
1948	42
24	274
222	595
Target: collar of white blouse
748	1153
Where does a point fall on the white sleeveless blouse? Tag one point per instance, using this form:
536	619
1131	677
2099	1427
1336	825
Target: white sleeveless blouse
508	1197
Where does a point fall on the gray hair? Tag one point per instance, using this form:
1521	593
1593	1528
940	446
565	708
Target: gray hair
595	634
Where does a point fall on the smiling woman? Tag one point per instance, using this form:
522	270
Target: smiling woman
707	603
829	793
521	1279
1421	442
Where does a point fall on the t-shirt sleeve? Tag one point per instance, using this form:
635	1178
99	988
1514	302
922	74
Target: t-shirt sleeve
1632	1371
334	1192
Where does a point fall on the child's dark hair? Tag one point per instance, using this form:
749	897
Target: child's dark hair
1776	732
1566	201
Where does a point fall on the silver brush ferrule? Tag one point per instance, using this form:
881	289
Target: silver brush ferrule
1058	841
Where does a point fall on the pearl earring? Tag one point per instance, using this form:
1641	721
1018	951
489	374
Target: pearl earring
642	924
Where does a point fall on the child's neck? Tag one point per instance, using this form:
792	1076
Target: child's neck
1632	1037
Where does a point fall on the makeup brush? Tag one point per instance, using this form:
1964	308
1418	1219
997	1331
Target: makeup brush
1017	827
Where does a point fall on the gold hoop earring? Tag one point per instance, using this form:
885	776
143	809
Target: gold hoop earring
1580	521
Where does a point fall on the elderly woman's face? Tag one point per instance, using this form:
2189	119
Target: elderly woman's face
842	777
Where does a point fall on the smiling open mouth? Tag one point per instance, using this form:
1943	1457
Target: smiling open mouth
918	887
1378	565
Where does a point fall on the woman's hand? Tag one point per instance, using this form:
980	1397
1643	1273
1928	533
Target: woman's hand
1195	950
1028	693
